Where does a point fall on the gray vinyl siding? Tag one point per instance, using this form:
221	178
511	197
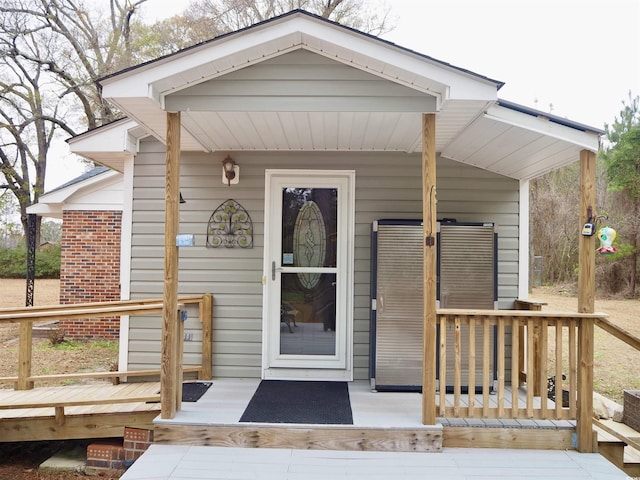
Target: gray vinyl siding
388	185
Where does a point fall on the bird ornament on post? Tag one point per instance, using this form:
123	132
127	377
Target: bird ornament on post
607	235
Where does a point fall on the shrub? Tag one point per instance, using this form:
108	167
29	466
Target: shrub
13	262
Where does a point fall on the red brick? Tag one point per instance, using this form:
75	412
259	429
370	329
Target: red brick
138	434
105	451
90	268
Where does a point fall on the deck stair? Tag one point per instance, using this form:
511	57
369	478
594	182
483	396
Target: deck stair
620	444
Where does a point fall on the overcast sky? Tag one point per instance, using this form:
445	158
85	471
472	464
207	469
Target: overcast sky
581	56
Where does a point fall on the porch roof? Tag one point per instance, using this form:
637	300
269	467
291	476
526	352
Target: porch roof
300	82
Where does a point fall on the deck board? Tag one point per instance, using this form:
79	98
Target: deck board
77	395
111	407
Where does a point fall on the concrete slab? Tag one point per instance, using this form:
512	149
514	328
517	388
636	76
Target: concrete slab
168	462
70	459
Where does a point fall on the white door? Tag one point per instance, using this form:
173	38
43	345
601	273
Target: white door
308	297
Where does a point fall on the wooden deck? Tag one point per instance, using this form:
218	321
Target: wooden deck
383	422
78	411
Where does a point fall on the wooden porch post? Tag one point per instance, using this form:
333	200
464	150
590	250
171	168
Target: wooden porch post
170	374
429	284
586	302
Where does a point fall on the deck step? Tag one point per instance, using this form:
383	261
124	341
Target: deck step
631	463
316	437
618	452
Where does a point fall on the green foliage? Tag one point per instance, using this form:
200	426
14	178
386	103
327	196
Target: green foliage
13	262
622	154
50	231
620	158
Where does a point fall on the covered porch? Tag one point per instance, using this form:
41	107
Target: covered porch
298	92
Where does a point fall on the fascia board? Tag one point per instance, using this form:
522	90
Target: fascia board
110	138
46	210
63	194
543	126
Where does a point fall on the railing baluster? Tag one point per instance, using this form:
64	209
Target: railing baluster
516	349
573	367
530	367
501	366
443	364
559	350
457	366
472	364
544	349
486	363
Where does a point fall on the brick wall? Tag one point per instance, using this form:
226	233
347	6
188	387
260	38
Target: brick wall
90	268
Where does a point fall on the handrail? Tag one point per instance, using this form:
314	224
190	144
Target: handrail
87	310
153	372
620	333
25	316
520	313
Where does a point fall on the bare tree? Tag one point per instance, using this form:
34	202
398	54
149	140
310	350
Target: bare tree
230	15
52	53
205	19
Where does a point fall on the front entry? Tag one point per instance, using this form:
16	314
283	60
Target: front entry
308	275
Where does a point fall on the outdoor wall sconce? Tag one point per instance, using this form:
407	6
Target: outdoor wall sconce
230	171
182	200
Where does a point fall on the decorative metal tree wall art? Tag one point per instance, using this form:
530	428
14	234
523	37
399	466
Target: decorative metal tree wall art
230	226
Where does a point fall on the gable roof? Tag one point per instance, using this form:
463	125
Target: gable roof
100	188
301	82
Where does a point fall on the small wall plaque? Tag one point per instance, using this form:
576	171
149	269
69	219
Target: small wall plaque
185	240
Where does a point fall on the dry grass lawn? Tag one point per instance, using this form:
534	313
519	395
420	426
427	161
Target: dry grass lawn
70	357
616	365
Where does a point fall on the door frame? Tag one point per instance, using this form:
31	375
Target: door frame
274	369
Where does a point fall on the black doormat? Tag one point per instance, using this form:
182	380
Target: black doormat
192	391
284	401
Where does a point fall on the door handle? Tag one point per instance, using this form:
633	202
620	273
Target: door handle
274	269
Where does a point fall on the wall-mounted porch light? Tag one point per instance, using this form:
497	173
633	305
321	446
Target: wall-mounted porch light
182	200
230	171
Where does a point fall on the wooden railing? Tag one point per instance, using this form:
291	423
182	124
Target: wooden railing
502	365
26	316
634	342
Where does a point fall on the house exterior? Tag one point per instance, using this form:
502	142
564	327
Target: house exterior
90	207
322	132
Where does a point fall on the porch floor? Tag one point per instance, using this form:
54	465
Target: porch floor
173	462
226	400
